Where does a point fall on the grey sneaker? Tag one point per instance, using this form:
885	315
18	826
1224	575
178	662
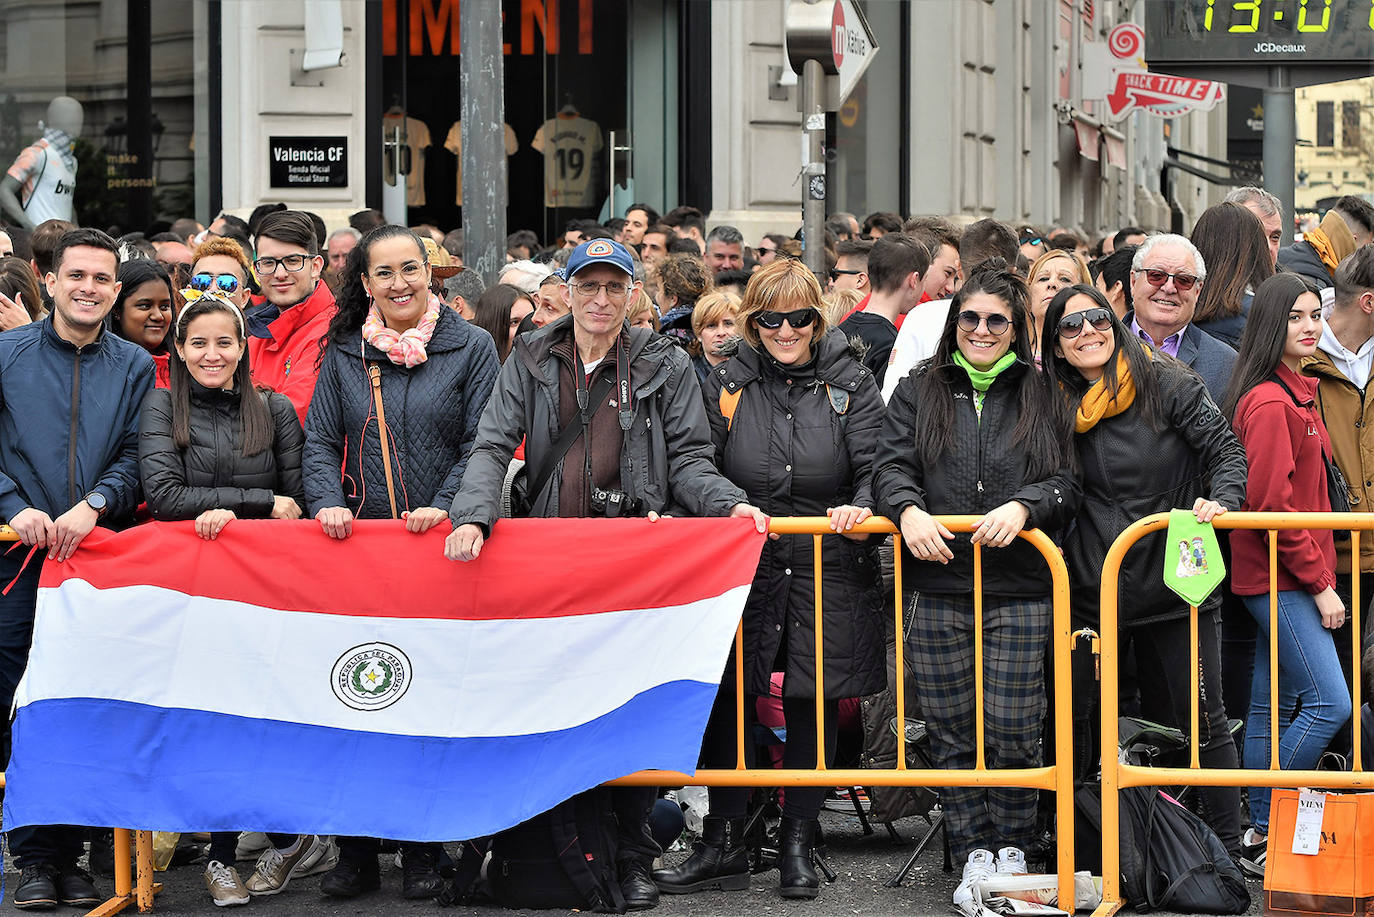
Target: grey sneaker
322	857
224	885
251	843
276	867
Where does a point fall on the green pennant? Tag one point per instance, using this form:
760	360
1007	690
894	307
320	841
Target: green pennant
1192	558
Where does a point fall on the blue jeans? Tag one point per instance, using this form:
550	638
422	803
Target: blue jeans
1309	678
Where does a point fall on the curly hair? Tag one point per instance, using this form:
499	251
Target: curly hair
685	277
223	245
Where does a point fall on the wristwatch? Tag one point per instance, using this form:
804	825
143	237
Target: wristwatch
96	501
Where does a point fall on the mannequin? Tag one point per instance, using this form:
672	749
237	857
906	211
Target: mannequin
41	183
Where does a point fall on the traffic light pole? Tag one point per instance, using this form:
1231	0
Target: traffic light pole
1280	139
813	167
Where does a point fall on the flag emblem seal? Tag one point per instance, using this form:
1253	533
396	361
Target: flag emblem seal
371	676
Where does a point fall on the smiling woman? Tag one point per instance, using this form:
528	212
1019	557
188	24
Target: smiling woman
142	311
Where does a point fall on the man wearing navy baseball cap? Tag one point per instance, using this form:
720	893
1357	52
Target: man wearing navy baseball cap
632	398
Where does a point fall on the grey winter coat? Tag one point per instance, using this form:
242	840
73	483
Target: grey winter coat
431	414
801	441
666	458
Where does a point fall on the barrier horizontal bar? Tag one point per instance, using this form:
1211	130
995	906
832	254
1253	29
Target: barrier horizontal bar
8	534
1137	775
1036	778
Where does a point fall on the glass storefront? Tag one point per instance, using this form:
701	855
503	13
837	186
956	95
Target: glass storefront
135	103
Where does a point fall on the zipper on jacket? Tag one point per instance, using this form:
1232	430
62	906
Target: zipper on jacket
72	496
978	420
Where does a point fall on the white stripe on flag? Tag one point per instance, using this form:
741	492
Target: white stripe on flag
155	646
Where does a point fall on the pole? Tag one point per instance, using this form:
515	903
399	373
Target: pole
813	166
484	153
1280	138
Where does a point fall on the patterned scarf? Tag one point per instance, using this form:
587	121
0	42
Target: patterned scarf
62	145
406	348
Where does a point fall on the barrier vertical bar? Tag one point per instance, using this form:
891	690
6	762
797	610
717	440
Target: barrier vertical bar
900	649
123	864
1356	629
740	763
1193	680
980	762
144	889
1061	647
820	657
1273	649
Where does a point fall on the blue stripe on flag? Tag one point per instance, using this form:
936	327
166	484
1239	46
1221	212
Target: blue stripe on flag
80	761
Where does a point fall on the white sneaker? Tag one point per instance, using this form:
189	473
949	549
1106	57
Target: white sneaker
251	843
224	885
1011	861
322	857
981	864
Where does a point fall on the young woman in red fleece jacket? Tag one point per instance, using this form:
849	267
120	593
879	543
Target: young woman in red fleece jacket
1273	414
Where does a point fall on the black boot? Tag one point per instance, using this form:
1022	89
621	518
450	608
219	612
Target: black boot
718	860
797	840
639	890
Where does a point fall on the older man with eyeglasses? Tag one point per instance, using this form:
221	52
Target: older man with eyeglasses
1166	277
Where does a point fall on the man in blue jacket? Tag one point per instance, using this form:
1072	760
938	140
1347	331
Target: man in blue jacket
70	395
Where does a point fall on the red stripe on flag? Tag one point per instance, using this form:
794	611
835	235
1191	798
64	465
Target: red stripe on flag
530	568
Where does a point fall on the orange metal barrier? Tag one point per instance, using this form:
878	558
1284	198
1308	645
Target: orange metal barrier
1116	775
127	891
1057	777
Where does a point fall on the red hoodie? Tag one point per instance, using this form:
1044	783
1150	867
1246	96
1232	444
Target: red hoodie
1284	444
288	362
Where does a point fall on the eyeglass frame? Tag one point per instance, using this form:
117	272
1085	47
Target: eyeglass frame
983	320
1189	280
573	284
414	268
1103	315
262	272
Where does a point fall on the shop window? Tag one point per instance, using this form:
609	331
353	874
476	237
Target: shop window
1350	125
1326	124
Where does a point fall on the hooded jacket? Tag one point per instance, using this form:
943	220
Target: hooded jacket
1347	411
665	459
431	415
287	361
1320	251
801	440
69	420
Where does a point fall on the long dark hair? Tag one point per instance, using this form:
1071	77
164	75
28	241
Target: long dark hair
491	313
1064	381
1041	426
353	301
1231	240
132	275
1266	332
256	432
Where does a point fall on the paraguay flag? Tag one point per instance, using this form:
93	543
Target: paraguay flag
278	680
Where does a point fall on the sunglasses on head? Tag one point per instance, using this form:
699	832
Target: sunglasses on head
1157	278
221	283
997	324
1071	325
800	318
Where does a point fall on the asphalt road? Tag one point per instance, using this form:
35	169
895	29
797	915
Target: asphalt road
862	864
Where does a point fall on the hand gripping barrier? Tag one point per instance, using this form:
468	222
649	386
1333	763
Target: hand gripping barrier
1057	777
1116	775
127	891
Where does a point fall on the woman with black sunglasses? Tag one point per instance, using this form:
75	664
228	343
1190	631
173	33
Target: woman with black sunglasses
794	417
972	430
1149	439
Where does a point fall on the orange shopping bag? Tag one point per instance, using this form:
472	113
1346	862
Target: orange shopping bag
1320	857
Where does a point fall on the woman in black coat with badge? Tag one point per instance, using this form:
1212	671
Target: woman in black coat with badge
972	431
1149	439
795	417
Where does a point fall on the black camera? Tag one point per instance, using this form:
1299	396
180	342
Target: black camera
612	503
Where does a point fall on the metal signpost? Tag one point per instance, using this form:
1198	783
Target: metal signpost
829	45
1273	45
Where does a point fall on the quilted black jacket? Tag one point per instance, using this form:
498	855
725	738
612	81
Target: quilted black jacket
431	414
212	472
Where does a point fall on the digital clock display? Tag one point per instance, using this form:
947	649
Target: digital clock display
1313	32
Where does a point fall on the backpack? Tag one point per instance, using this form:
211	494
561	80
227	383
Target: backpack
1170	858
563	858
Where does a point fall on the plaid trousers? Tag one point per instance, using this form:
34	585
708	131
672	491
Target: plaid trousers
940	646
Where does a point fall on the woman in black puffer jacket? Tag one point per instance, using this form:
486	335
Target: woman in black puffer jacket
794	417
972	431
214	448
392	341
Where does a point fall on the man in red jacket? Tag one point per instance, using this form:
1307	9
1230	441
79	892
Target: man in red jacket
284	332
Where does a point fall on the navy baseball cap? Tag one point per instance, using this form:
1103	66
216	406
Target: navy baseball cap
600	251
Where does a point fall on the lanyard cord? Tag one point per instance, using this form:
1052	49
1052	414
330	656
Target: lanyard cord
586	411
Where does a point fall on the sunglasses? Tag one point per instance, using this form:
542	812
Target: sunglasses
835	273
221	283
1157	278
997	324
801	318
1071	325
1031	239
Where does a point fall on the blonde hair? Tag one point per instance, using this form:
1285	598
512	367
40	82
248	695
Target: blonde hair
1079	265
220	245
713	307
839	303
639	304
782	286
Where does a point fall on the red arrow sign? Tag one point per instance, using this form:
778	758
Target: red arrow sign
1154	91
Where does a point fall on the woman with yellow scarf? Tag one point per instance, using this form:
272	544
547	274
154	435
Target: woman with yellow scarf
1149	439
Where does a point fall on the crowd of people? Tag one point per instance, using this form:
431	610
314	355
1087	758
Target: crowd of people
647	367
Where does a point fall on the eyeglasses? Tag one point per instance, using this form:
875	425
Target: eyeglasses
997	324
767	250
292	263
615	289
799	318
221	283
1157	278
836	272
1071	325
410	272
